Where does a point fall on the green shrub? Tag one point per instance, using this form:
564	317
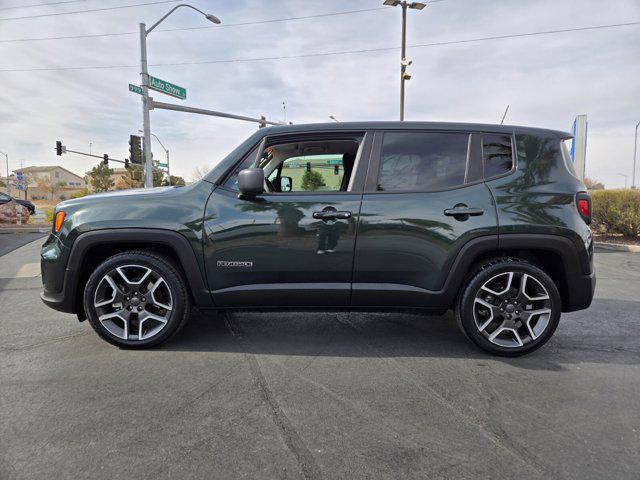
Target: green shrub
82	193
616	211
48	215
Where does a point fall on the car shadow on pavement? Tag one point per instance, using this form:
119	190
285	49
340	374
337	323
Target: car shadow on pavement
392	335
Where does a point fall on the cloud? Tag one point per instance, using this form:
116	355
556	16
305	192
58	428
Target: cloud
546	80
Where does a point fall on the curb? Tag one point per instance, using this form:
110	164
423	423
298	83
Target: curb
617	247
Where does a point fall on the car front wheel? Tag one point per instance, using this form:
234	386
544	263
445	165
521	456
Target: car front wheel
136	299
509	307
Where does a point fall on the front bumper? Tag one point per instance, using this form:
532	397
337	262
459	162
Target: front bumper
55	276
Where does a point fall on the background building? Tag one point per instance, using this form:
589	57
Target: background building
49	183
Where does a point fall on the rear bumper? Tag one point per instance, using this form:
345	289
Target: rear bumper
580	292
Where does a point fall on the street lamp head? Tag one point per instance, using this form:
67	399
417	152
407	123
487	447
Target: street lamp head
212	18
417	5
391	3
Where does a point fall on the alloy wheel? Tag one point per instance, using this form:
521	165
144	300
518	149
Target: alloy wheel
133	302
512	309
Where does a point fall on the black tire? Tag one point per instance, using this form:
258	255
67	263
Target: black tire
500	268
161	267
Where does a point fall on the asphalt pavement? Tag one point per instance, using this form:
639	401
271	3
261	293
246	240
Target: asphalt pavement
313	395
11	241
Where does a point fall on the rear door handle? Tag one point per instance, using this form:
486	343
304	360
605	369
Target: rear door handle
472	212
331	215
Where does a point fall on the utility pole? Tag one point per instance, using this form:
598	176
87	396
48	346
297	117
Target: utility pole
635	151
404	63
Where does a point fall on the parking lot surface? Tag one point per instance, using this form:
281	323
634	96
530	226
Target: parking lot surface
318	395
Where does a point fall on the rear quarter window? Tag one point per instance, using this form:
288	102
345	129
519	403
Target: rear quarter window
497	155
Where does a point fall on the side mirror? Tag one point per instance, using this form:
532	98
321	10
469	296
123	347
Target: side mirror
251	181
286	184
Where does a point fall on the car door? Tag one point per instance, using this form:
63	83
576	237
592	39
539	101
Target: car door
286	249
424	200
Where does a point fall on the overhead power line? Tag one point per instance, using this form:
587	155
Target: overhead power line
41	4
91	10
325	54
223	25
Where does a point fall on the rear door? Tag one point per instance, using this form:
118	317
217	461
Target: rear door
424	200
289	248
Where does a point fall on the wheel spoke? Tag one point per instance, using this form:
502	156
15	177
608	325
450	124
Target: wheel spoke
523	291
504	290
539	327
152	292
132	283
150	316
116	293
498	331
492	310
112	327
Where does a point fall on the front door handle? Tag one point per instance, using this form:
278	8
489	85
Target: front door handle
331	215
469	211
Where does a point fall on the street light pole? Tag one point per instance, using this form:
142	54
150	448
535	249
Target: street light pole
146	100
166	151
404	63
403	58
625	179
635	151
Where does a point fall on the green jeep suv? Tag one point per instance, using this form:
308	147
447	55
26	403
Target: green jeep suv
490	221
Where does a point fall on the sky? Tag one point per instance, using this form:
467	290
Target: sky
545	79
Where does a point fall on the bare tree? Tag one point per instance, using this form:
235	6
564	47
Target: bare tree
199	172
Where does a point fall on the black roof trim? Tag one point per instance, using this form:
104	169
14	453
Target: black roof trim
395	125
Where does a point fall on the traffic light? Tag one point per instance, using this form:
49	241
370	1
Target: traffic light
58	147
336	169
105	159
308	166
126	163
135	150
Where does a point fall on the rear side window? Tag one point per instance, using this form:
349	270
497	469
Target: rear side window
422	161
497	154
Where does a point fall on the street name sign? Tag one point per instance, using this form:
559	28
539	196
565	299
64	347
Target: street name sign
135	89
163	165
163	86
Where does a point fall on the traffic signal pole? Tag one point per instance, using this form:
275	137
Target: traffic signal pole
202	111
146	123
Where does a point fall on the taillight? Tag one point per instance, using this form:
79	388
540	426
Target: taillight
583	202
58	221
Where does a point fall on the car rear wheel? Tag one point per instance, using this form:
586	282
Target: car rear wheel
136	300
509	307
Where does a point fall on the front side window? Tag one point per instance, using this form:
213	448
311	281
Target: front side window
309	173
422	161
304	166
497	155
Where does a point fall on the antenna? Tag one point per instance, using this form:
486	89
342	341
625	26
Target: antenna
505	115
